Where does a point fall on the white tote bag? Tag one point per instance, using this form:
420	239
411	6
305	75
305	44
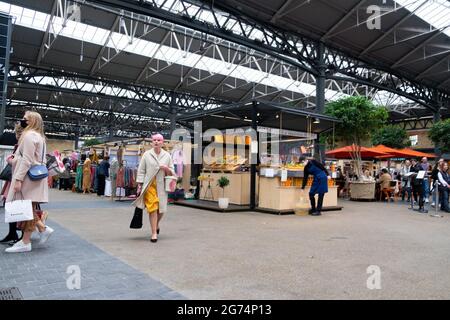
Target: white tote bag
18	210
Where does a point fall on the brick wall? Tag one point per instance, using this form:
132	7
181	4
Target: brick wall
423	142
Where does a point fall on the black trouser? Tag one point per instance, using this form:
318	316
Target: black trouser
64	183
418	192
444	199
312	199
101	185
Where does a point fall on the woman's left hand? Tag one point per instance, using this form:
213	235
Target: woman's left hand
165	168
17	186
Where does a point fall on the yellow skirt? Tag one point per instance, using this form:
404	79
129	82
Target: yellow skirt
151	198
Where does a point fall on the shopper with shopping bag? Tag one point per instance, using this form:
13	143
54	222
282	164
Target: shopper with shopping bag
29	179
154	166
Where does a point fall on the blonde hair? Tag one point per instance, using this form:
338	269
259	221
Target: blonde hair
35	123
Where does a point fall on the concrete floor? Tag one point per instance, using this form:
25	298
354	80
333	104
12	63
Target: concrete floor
210	255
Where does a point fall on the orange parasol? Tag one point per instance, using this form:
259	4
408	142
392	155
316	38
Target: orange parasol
346	152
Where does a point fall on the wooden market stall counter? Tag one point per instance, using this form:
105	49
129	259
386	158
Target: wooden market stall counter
238	191
274	196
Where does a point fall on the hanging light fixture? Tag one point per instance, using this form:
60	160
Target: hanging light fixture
316	120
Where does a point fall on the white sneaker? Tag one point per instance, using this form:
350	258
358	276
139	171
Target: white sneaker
19	247
46	234
427	201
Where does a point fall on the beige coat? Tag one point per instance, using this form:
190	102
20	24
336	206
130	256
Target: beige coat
148	169
29	153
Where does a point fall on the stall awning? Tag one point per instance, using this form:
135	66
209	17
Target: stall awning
346	153
414	153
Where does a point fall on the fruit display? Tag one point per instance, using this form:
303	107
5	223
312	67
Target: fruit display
227	162
299	167
297	182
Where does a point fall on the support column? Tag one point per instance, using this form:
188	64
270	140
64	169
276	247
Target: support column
436	118
6	27
111	134
77	140
253	163
320	80
173	119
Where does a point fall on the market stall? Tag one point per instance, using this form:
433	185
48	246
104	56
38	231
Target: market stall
283	135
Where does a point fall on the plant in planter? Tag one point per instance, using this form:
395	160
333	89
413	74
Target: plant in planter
360	119
222	183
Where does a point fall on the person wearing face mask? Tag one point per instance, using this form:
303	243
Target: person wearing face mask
319	186
155	164
30	151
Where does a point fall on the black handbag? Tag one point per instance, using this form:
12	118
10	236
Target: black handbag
136	222
6	173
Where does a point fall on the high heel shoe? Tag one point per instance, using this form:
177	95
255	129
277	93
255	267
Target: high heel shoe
153	240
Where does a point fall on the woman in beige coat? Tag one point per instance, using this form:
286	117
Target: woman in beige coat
155	164
31	151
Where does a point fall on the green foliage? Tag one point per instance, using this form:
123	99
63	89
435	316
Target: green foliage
391	136
223	182
91	142
359	116
440	135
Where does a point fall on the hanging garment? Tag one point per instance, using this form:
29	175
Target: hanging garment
178	158
87	175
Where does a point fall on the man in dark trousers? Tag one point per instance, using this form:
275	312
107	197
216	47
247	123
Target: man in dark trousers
417	185
102	174
319	185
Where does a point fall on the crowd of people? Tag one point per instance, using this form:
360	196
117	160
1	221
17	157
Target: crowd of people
408	184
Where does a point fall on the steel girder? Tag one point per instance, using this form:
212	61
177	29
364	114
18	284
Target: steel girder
70	120
230	24
415	124
63	81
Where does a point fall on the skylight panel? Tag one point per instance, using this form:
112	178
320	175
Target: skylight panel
436	12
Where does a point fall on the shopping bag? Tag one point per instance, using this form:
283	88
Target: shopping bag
18	210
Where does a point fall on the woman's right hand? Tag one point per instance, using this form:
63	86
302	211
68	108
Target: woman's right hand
10	159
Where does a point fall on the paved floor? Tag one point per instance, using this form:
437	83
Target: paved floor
211	255
46	272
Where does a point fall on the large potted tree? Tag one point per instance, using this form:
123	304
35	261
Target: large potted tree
360	118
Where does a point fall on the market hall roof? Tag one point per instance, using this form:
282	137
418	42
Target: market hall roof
216	71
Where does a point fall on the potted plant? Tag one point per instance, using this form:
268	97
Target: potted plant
360	118
222	183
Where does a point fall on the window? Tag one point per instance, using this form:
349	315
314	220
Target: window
414	140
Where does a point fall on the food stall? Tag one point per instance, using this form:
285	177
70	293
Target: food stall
271	183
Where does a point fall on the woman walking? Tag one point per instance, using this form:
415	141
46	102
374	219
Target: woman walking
319	186
31	151
155	164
